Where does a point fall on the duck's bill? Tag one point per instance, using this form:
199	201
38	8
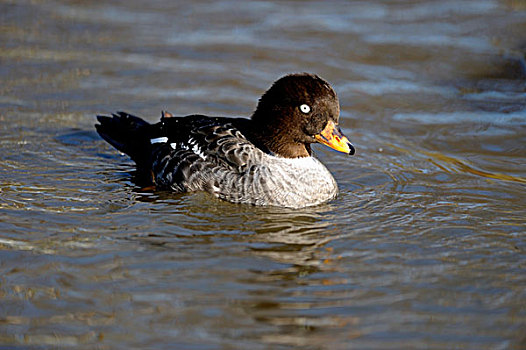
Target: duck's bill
333	137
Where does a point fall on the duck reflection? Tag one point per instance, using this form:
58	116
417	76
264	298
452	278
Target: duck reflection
289	236
290	282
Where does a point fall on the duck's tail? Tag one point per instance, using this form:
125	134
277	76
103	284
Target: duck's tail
127	133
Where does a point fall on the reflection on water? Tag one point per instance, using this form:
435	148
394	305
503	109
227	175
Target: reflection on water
424	246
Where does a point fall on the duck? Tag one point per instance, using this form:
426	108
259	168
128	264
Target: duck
264	160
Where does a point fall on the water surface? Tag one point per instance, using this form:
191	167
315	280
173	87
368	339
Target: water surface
423	248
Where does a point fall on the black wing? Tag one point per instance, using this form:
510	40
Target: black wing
195	152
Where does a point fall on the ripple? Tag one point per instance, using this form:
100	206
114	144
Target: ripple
424	246
503	119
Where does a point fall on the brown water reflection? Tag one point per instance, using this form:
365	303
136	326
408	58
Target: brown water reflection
423	248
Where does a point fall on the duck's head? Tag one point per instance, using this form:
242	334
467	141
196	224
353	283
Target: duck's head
297	110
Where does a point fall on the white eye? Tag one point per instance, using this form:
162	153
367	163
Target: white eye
305	108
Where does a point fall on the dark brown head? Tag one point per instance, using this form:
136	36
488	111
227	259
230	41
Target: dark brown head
297	110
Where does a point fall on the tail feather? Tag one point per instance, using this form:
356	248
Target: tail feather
127	133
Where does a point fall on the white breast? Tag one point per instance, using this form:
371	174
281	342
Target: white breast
285	182
302	182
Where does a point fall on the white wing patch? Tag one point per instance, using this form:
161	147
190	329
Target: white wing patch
194	147
159	140
191	145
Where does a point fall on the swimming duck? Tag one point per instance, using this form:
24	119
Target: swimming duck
264	160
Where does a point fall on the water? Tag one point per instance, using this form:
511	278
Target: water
423	248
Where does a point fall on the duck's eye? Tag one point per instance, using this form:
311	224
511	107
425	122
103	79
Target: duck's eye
305	108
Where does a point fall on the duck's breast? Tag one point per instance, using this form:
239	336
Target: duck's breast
294	183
